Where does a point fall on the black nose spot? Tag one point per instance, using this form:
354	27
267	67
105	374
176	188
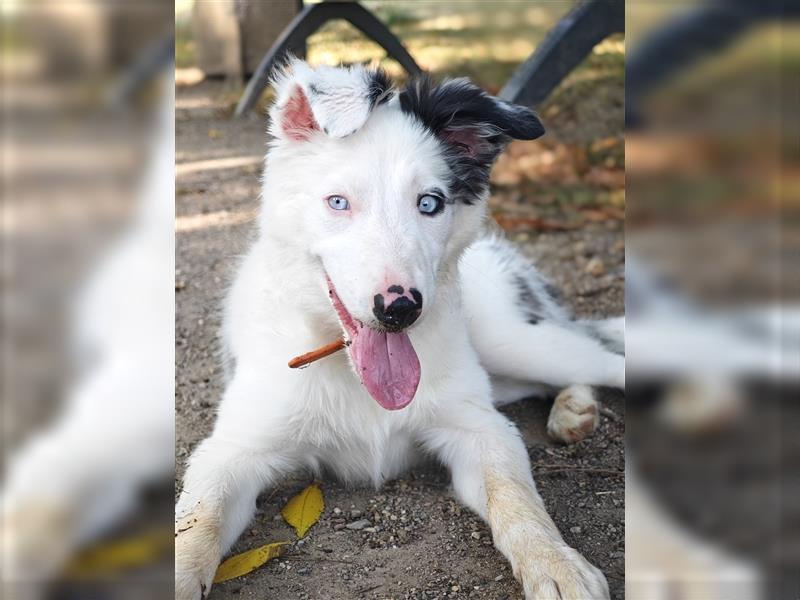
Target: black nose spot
399	314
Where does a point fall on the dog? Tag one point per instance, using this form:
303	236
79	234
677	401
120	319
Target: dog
373	227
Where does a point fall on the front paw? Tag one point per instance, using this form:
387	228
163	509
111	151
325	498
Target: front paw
196	557
554	571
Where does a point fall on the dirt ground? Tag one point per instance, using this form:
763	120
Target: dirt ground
420	542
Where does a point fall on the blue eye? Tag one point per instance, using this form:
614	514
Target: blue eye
338	203
429	204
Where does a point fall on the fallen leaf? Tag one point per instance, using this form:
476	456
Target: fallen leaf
536	223
305	509
108	558
247	562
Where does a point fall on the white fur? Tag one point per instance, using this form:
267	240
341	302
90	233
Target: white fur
273	420
339	97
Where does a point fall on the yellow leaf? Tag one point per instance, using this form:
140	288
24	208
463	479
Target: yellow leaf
249	561
107	558
305	509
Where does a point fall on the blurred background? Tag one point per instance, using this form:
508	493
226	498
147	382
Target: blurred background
88	299
712	340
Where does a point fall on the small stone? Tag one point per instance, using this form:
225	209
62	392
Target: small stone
337	511
339	526
358	525
575	529
354	514
455	588
595	267
475	535
499	578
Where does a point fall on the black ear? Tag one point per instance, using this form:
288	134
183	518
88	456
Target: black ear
474	126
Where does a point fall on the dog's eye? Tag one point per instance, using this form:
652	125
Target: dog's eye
429	204
338	203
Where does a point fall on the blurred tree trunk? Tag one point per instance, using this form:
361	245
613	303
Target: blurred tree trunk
231	37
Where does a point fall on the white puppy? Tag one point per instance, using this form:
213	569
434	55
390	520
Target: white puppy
373	227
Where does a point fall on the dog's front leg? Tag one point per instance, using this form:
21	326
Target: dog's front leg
217	502
492	476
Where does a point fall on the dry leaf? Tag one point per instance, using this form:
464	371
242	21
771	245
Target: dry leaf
305	509
247	562
107	558
509	223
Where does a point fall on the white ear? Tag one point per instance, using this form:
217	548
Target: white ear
335	101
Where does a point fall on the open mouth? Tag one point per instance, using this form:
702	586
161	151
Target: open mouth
385	362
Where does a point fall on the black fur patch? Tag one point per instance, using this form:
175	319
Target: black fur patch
473	126
528	301
553	292
608	343
379	87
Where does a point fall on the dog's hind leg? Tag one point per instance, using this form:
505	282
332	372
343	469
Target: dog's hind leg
545	353
519	330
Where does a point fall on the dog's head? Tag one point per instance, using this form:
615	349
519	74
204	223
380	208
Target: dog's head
384	188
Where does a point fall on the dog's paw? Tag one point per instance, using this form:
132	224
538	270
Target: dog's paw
196	557
701	406
554	571
192	584
37	542
574	415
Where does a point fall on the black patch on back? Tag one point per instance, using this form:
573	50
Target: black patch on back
379	87
553	292
397	289
610	344
528	301
459	106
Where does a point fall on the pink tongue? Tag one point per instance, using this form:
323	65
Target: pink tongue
388	366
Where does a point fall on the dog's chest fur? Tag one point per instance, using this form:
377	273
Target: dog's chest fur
343	431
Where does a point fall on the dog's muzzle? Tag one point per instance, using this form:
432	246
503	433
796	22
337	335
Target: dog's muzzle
401	313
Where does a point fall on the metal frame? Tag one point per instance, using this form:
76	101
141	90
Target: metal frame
567	44
311	18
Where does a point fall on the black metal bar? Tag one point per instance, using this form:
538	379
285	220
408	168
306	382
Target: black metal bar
152	60
311	18
692	36
567	44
